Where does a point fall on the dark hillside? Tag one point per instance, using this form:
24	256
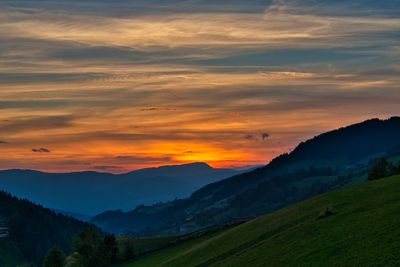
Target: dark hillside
352	227
326	162
32	229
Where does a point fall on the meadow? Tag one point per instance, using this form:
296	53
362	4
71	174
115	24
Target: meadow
305	234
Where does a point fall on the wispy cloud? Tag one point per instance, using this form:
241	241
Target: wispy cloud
237	30
41	150
264	136
37	123
249	137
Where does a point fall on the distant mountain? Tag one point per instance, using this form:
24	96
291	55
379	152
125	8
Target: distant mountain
323	163
28	230
92	192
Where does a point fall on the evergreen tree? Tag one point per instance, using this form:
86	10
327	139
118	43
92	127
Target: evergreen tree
111	247
95	249
49	228
87	245
54	258
128	249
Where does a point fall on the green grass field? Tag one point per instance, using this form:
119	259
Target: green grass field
154	259
148	244
363	231
144	245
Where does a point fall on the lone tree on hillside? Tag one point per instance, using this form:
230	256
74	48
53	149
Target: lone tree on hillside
382	169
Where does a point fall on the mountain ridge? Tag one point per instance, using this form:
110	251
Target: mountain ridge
123	191
323	163
199	163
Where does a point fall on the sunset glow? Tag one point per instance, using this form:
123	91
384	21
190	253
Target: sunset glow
87	87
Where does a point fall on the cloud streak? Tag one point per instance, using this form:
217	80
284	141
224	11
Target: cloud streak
41	150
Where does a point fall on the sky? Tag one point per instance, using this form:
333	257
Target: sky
120	85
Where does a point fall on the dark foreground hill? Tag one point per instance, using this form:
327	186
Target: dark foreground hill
28	231
360	229
329	161
92	192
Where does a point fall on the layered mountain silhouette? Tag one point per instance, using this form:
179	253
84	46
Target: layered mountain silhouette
90	193
329	161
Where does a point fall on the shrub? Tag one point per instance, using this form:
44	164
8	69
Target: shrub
329	211
379	170
383	169
54	258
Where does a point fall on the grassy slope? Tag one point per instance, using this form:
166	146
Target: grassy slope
143	245
364	231
155	258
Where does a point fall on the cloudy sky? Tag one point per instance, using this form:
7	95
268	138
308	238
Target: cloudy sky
120	85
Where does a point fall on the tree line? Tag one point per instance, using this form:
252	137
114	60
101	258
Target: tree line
383	168
33	229
92	249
